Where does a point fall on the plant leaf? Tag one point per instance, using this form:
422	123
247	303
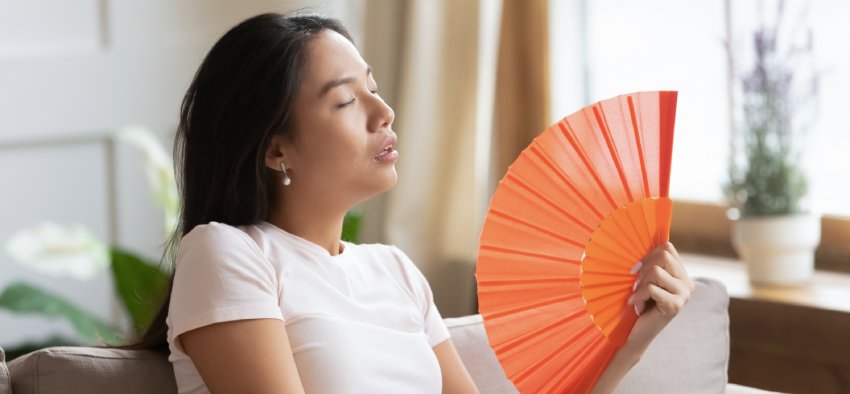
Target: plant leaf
141	286
351	226
22	298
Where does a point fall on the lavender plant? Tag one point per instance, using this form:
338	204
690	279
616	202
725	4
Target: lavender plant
776	91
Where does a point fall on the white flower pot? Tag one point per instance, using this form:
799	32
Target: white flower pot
778	250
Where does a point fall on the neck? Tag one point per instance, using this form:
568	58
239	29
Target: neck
313	219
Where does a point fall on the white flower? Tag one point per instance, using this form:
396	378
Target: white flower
159	170
57	250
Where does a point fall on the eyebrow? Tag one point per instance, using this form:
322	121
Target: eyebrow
337	82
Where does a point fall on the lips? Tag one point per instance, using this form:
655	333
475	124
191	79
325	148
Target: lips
387	146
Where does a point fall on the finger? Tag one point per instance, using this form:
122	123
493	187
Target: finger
653	253
658	277
662	278
672	249
671	263
666	303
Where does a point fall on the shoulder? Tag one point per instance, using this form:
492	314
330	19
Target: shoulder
217	237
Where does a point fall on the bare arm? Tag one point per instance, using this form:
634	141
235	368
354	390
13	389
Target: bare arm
244	356
456	378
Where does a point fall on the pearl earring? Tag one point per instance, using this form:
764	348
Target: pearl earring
286	179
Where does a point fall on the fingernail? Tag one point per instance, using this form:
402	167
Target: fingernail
636	268
631	300
634	286
637	312
639	308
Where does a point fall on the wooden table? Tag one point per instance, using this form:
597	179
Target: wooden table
789	339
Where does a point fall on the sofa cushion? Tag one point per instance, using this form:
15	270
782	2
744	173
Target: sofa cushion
689	356
5	384
92	370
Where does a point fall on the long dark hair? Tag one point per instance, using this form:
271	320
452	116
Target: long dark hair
241	96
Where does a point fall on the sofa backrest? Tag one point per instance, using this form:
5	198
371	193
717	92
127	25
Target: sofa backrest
691	354
92	370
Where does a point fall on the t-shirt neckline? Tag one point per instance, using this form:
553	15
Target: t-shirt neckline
309	246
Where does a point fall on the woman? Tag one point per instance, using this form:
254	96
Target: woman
281	132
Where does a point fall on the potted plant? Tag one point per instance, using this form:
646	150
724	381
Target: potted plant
772	231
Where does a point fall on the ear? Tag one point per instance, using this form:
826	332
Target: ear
275	152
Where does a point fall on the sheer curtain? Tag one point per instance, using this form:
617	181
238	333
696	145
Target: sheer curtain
442	58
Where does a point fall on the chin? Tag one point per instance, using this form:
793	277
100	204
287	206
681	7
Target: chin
390	182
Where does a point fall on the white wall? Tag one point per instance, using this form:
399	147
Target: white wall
77	70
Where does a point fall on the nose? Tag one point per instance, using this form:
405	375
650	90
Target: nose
382	115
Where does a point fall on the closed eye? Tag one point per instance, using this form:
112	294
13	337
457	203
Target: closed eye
345	104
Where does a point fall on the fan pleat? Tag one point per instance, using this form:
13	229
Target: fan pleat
602	123
545	203
633	117
533	229
667	120
572	347
566	128
567	186
523	305
585	201
575	372
613	235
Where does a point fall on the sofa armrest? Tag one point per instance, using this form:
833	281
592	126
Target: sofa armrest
92	370
5	382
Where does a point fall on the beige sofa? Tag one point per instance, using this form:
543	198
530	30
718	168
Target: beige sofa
690	356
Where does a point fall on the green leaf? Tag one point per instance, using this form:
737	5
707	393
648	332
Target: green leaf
22	298
141	285
351	226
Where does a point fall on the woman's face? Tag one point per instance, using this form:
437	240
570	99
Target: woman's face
341	126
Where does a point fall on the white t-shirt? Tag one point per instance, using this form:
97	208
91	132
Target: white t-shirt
363	321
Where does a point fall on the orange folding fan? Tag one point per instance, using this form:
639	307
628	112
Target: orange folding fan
585	201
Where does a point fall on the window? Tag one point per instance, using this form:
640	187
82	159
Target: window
603	48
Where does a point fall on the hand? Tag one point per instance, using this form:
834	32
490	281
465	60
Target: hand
662	289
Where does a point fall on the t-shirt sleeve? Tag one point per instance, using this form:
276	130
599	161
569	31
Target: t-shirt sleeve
433	324
221	275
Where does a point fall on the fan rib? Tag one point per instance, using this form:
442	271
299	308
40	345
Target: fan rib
633	116
625	242
508	311
557	170
602	121
607	284
548	202
598	299
667	107
614	303
635	234
624	260
508	345
566	129
526	280
528	254
614	274
562	384
524	373
535	227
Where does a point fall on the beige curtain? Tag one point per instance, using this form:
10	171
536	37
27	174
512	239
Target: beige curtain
441	86
522	84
